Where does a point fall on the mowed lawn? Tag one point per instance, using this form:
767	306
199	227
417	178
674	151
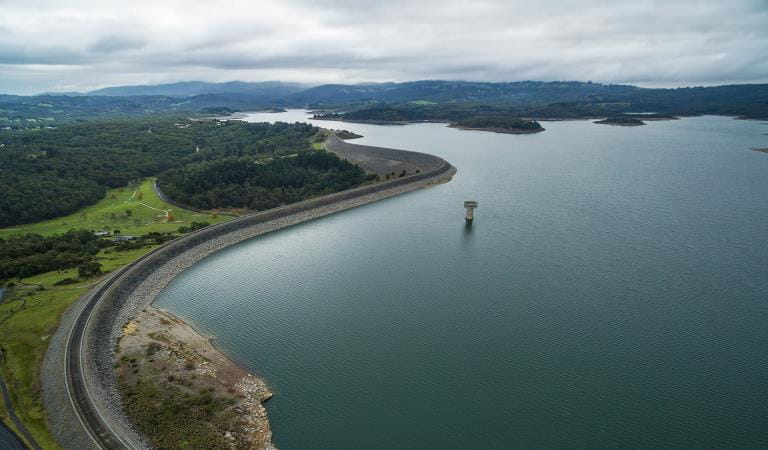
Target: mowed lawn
132	210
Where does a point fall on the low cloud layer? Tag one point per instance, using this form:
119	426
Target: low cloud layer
51	45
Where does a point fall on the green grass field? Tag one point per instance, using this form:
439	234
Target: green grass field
29	316
147	213
28	320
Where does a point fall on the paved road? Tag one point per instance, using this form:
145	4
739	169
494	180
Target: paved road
88	415
8	438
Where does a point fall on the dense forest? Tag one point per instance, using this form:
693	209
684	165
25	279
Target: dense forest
49	173
31	254
259	184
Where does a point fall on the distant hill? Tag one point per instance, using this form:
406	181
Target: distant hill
268	90
461	91
537	98
411	101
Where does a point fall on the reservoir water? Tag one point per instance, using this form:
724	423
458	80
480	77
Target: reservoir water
612	292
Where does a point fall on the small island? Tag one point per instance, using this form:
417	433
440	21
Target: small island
499	124
622	121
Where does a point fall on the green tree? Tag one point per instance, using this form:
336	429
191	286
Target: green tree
89	269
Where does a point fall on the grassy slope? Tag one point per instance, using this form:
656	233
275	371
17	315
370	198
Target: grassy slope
109	214
28	316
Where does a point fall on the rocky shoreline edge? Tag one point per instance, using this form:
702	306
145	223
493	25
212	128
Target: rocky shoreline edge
137	287
165	368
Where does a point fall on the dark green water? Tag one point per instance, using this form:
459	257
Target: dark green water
612	292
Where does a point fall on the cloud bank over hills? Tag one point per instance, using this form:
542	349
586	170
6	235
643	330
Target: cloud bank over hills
80	45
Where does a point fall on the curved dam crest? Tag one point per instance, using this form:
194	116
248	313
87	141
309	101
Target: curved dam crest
135	286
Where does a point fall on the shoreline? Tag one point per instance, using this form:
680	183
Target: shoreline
155	285
603	122
499	130
161	350
102	313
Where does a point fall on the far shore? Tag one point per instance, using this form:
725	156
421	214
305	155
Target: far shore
500	130
616	124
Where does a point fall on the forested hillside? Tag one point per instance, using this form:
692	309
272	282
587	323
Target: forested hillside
41	111
417	100
438	100
254	183
48	173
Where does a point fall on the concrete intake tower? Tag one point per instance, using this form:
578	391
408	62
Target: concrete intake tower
470	205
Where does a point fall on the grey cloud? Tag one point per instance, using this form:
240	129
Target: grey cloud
115	43
674	41
21	55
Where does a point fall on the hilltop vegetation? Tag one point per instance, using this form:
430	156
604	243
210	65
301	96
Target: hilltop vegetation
442	100
458	101
49	173
44	111
258	184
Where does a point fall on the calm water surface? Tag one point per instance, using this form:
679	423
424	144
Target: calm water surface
612	292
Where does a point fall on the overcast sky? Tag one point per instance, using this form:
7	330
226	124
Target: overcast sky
65	45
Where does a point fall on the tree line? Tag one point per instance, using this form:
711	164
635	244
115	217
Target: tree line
505	122
50	173
250	182
32	254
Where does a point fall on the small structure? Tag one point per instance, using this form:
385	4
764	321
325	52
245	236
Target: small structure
123	237
470	205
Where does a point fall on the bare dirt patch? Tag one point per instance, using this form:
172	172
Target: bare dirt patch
182	392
